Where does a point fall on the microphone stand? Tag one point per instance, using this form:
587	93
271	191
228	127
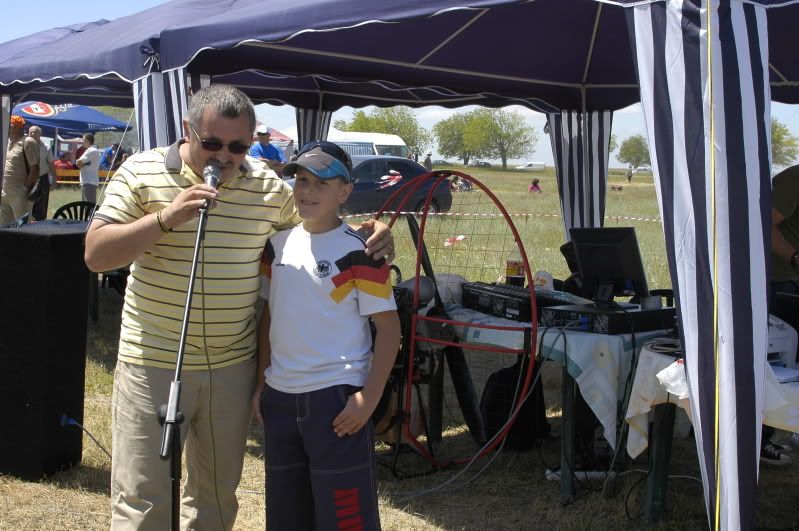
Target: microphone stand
169	416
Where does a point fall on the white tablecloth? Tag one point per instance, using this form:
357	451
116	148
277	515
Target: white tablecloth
780	407
599	363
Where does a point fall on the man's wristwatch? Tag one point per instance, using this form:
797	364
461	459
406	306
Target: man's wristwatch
794	261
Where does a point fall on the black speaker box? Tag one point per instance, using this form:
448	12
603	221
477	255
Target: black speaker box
43	287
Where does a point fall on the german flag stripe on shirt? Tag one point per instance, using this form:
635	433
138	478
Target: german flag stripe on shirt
362	272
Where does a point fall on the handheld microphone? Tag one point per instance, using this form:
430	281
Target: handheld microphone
211	174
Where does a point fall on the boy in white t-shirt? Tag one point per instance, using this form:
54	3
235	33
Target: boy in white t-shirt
322	380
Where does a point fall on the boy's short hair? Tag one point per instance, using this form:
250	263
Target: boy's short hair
89	137
323	159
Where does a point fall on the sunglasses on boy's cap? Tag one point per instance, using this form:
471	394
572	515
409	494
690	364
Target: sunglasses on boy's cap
236	147
324	159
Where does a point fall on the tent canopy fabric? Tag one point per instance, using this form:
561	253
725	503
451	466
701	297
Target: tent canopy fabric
67	119
11	49
440	52
114	49
60	90
444	46
487	49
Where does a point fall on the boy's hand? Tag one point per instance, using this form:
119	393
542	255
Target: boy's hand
354	415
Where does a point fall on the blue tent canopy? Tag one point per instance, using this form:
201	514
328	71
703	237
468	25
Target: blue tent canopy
15	47
419	52
547	52
67	119
60	90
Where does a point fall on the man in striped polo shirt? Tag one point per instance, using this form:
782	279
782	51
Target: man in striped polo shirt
149	219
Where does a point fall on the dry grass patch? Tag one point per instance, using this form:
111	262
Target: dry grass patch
510	494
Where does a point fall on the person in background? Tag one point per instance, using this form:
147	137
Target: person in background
428	164
63	162
20	173
535	187
89	163
108	157
266	152
320	377
121	157
47	177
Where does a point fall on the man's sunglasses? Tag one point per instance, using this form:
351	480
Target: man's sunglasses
237	148
334	150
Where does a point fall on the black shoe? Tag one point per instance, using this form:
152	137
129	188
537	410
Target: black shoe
771	455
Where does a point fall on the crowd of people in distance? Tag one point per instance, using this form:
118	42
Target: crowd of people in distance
30	170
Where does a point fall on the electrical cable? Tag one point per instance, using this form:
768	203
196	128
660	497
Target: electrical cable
69	421
625	401
512	409
409	496
638	482
562	333
210	384
500	431
629	493
664	346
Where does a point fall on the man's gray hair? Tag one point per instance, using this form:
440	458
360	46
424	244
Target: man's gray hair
224	100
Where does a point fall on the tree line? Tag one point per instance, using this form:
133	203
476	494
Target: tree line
634	151
468	136
500	134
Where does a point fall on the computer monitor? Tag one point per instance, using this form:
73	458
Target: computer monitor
609	262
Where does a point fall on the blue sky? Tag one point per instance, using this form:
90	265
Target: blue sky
50	13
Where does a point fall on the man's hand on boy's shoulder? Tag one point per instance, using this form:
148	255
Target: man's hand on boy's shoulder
380	242
354	416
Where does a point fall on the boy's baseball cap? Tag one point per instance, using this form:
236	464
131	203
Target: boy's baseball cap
262	130
324	159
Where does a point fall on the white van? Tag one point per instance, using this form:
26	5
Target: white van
534	166
357	143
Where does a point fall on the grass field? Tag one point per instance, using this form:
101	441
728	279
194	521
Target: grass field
511	493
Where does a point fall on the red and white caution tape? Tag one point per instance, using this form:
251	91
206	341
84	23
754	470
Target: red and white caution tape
499	215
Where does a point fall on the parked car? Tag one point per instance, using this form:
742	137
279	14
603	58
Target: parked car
376	177
440	162
480	164
534	166
643	169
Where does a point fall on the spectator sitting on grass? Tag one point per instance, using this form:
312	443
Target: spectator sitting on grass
535	187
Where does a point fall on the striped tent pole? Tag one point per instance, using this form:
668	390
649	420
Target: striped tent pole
5	122
312	124
160	100
197	82
702	67
580	143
